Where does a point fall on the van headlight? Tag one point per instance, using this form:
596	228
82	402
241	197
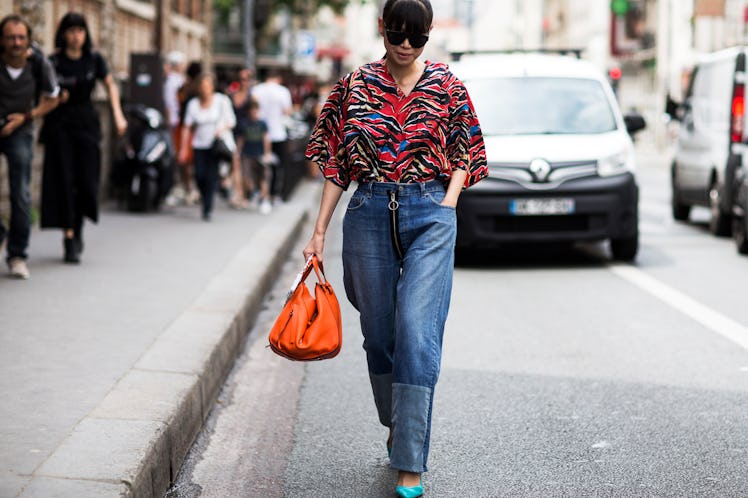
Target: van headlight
622	162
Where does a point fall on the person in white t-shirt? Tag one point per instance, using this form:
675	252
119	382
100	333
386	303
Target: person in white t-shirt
275	105
175	64
210	115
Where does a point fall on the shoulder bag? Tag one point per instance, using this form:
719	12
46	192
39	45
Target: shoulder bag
223	146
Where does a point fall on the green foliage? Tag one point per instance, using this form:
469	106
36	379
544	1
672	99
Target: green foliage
297	7
223	8
301	7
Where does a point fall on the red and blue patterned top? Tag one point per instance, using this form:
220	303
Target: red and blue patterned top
369	131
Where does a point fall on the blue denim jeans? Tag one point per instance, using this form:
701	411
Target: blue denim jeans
18	150
402	301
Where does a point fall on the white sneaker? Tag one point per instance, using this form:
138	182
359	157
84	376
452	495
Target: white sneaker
265	207
192	198
18	268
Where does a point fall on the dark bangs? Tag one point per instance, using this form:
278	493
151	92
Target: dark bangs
411	16
72	20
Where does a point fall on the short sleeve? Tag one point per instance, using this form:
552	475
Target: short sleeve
48	81
189	113
100	66
326	147
465	147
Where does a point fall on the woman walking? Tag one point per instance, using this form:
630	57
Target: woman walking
72	133
210	116
407	133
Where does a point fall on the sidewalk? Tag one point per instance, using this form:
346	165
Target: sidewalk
108	369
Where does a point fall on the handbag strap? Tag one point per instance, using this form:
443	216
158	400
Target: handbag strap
311	262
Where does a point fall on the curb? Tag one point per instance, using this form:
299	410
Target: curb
134	442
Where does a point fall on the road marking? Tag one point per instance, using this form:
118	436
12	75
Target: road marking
711	319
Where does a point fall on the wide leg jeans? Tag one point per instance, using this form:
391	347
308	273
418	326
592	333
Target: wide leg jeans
399	277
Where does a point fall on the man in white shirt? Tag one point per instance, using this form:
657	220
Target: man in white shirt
175	62
275	105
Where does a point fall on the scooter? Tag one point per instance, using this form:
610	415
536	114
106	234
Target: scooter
144	174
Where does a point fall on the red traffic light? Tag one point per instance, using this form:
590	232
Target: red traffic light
615	73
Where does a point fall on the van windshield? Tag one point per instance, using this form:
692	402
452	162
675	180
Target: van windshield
533	106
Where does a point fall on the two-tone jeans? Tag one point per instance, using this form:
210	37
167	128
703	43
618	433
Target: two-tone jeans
398	261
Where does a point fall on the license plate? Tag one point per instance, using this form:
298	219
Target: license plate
530	207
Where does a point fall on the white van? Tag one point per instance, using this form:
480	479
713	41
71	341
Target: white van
710	139
560	156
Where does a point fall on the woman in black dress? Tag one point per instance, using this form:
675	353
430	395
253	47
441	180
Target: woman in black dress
71	134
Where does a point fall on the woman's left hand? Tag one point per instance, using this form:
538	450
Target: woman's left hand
449	201
121	125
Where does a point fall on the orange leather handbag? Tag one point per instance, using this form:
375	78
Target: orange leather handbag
308	328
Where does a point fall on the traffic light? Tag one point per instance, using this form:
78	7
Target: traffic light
627	26
619	7
614	77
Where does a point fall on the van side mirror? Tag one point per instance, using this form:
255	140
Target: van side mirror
673	108
634	122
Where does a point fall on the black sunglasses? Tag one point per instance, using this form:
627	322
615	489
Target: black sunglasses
417	40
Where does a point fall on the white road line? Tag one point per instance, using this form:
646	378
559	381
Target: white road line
711	319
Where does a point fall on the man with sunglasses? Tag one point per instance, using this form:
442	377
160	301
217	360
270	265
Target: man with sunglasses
406	132
28	90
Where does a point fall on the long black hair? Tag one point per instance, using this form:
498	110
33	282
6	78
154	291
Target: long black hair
411	16
72	20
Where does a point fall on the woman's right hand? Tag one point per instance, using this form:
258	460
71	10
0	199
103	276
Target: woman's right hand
315	246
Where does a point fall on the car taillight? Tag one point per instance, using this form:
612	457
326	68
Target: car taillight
738	114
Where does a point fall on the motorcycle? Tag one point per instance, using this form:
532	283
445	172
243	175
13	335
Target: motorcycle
144	173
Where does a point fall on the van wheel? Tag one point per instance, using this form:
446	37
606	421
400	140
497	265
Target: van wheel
740	235
681	211
625	249
740	222
720	222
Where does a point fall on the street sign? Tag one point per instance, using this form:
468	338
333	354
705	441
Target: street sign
305	44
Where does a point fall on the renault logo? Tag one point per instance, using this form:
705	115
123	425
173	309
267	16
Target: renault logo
540	168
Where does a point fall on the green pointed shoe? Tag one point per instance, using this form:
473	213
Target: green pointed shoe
409	491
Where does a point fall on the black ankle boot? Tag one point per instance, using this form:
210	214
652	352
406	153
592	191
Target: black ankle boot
71	251
78	244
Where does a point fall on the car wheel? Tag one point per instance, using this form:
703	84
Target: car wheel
739	227
720	222
625	249
681	211
739	235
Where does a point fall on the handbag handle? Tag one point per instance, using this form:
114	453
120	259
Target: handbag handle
311	262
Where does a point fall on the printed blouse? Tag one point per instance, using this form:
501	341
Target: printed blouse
369	131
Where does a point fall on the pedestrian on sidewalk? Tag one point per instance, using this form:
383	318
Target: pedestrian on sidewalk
406	131
275	107
253	142
28	90
72	135
210	116
241	95
188	194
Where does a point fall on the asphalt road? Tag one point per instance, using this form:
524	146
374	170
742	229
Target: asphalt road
564	375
